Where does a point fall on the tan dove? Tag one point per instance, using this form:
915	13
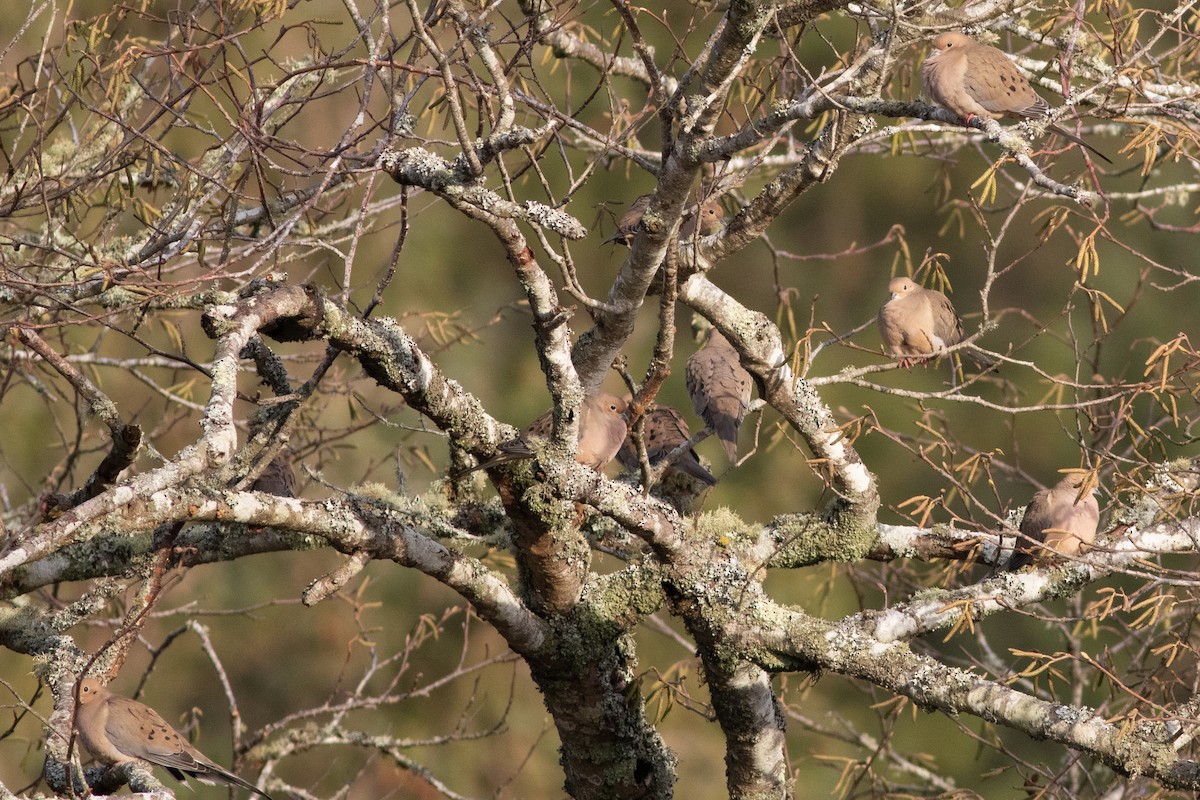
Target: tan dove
707	220
663	431
1057	521
972	79
720	389
116	729
917	323
602	429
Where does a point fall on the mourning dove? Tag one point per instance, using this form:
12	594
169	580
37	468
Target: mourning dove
602	429
917	323
278	478
972	79
662	432
720	389
1057	521
116	729
627	224
707	220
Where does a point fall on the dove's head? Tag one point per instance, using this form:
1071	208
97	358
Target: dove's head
1076	480
90	690
900	287
610	403
951	40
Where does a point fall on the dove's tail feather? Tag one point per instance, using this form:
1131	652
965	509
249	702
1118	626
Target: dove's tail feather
1066	134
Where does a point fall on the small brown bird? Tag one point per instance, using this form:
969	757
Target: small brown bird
707	220
720	388
972	79
1057	521
663	431
917	323
602	429
116	729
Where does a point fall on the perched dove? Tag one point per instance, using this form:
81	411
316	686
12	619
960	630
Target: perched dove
1057	521
627	224
116	729
278	478
602	429
706	219
917	323
720	389
972	79
663	431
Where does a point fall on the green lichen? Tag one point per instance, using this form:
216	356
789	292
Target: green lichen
835	535
723	527
625	597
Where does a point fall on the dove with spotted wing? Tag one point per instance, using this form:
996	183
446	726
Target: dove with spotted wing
720	388
972	79
663	431
116	729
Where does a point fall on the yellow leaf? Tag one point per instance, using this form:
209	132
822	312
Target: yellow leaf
987	180
174	334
